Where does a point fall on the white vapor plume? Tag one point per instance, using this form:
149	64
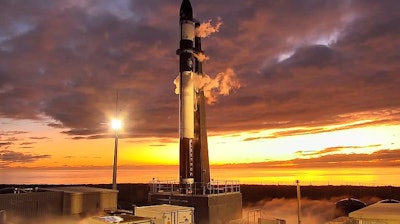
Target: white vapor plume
201	57
222	84
177	85
206	29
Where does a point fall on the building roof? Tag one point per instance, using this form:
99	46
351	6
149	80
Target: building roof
383	211
164	208
81	189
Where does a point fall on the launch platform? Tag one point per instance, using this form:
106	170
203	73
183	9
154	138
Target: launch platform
219	202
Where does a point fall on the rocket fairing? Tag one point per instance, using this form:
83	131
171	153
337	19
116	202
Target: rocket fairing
193	150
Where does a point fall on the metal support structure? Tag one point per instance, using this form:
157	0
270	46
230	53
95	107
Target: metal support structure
114	182
298	202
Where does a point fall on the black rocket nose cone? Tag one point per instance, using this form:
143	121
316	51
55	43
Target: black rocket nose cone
186	12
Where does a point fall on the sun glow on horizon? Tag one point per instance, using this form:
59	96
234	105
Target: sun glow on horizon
266	146
52	148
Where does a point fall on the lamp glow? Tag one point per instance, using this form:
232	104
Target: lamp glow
116	124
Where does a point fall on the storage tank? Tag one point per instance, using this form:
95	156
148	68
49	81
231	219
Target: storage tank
389	201
167	214
347	205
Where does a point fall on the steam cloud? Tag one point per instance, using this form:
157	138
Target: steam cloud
222	84
206	29
312	211
201	57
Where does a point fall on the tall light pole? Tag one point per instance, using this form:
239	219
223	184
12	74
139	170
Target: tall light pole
116	125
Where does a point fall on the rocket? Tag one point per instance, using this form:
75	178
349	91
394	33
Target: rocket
193	149
186	93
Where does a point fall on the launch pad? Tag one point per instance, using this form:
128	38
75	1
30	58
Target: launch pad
218	203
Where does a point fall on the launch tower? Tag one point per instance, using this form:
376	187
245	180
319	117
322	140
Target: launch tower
215	202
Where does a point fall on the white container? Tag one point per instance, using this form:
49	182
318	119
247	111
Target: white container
167	214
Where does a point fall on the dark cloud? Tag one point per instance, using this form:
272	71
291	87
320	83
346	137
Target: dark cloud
8	156
331	150
299	63
157	145
388	118
5	144
27	143
8	133
12	139
38	138
90	136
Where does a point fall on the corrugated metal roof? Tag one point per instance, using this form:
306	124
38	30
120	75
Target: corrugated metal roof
81	189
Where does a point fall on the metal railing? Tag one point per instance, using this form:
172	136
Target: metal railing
196	188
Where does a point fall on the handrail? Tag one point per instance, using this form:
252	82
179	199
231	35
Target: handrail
196	188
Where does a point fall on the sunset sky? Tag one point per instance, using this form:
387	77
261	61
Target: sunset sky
313	83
